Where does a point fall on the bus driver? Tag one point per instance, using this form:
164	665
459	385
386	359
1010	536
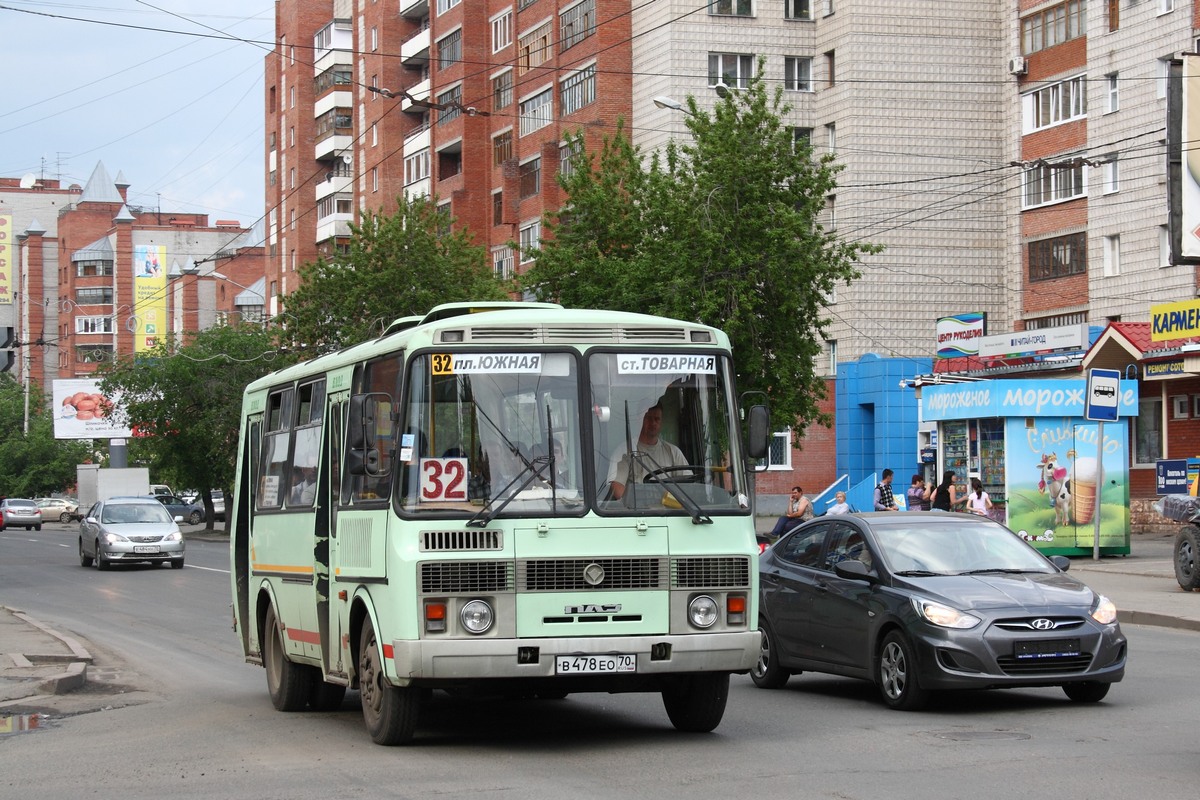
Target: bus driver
659	454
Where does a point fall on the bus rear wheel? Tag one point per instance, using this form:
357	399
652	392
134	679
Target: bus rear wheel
696	703
389	712
289	683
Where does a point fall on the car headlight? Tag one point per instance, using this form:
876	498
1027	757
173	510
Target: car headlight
476	616
702	611
944	616
113	538
1105	611
173	537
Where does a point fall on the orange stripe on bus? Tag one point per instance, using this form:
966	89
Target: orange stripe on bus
282	568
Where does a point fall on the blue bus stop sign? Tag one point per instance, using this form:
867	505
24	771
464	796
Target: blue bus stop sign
1103	395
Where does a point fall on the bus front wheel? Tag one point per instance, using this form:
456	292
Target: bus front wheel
289	683
696	702
390	712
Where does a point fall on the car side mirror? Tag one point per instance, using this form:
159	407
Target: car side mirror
178	518
1062	562
853	570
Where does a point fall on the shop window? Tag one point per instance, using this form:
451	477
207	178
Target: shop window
1148	432
1179	406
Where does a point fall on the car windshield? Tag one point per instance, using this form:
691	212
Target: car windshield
122	513
954	547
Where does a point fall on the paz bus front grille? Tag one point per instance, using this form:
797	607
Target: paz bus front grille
710	572
580	574
466	577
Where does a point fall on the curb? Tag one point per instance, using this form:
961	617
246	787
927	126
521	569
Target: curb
77	662
1157	620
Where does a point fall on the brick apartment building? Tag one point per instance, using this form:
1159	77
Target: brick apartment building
90	276
468	102
1008	156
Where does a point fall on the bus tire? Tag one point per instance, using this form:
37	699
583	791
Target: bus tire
696	703
289	683
325	696
389	712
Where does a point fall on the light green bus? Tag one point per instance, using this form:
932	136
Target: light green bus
510	498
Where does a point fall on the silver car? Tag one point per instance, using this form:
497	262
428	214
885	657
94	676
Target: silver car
20	514
127	529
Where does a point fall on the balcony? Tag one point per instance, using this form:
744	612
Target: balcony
333	146
418	189
338	179
417	141
342	98
414	9
336	226
415	51
419	91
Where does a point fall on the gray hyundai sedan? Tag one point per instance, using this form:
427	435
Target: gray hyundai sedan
924	601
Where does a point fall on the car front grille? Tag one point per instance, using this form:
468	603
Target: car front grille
1027	624
144	539
1045	666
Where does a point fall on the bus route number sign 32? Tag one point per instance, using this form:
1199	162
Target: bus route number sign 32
444	480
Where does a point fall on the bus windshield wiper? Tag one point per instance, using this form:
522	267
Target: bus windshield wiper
532	471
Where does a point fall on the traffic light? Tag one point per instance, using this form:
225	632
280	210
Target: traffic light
7	356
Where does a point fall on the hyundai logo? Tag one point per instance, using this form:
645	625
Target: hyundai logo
1042	624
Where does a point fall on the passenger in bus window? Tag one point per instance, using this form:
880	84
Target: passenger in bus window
305	488
656	449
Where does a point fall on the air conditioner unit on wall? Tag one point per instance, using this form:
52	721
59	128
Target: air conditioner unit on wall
1018	65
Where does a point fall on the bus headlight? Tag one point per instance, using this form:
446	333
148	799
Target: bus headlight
476	616
702	611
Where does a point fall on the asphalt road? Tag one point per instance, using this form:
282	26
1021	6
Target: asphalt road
186	717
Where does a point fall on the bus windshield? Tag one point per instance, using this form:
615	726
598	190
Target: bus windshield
488	434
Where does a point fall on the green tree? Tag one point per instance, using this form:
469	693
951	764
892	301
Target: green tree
724	229
33	463
397	265
185	402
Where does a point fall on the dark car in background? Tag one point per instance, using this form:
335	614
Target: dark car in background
918	602
191	513
16	513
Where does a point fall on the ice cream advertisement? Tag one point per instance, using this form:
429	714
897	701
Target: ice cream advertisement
1056	467
81	411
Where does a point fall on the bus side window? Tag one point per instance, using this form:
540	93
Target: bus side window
276	451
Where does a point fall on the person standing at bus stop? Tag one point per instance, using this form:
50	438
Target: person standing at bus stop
657	453
884	499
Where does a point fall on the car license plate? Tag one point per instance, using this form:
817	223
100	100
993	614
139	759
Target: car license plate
595	665
145	548
1047	648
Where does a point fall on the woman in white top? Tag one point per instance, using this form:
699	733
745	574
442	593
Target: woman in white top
978	501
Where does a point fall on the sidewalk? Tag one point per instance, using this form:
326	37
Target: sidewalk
39	662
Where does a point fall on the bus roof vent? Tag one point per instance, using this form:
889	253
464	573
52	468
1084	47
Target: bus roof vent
651	334
459	540
505	333
575	333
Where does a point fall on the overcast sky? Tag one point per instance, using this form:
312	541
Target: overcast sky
166	92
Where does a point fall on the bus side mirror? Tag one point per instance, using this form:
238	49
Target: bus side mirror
758	442
362	426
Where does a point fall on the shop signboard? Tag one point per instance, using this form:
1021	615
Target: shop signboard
1171	476
1029	343
1018	398
960	334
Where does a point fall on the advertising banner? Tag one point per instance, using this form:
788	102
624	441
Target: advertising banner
149	295
8	258
82	412
1190	177
960	334
1052	470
